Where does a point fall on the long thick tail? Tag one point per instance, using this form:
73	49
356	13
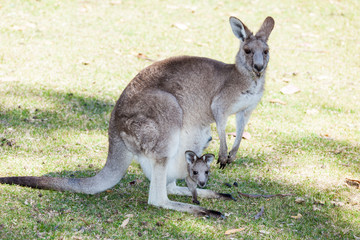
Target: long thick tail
119	159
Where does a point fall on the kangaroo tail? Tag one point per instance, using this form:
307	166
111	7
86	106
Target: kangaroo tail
119	159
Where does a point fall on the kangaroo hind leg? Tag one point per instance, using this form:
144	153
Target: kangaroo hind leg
173	189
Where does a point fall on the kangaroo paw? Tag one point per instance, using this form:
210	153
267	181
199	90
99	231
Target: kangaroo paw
223	161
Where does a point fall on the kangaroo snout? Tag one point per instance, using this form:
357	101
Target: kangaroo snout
202	184
258	67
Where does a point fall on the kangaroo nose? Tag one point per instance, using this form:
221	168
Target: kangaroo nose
202	184
258	67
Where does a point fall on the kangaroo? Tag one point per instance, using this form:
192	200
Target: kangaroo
167	109
198	172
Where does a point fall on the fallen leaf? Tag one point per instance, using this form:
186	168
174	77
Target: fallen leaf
326	136
180	26
299	200
143	56
277	101
129	215
298	216
259	214
86	223
264	232
125	222
287	80
232	134
290	89
232	231
246	136
353	182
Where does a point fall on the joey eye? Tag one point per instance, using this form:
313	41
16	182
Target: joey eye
195	172
247	51
206	172
266	52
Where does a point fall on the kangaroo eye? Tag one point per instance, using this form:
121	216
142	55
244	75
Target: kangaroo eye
195	172
247	51
266	52
206	172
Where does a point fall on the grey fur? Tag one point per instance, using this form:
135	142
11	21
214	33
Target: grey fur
167	109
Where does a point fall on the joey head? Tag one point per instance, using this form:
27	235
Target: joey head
198	172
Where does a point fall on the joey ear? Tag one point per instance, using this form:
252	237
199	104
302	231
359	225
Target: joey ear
190	157
265	29
239	29
208	158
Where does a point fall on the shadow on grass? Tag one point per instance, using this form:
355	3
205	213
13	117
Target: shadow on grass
86	113
90	214
68	110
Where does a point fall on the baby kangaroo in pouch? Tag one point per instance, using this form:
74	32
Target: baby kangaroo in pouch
166	110
198	172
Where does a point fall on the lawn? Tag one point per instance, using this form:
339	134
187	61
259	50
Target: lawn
63	64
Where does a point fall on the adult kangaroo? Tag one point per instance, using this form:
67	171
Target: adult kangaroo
166	110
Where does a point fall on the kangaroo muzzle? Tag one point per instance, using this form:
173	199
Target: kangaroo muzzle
258	66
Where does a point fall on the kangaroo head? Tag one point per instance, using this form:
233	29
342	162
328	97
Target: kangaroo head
199	167
253	54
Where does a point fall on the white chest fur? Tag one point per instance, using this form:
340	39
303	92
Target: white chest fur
248	100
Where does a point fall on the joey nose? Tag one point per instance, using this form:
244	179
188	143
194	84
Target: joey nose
202	184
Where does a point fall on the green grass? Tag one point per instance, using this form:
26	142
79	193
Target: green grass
63	64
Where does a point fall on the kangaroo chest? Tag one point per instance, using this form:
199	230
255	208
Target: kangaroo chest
247	100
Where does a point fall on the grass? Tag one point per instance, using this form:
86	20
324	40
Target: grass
63	64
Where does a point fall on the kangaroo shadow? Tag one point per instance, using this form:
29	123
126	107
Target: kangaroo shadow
64	110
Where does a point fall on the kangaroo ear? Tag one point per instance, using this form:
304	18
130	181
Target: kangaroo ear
265	29
208	158
190	157
239	29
